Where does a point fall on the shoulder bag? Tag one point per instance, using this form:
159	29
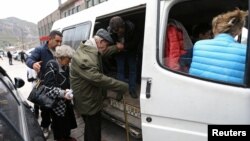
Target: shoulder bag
38	96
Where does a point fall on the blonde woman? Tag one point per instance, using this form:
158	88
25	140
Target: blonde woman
222	58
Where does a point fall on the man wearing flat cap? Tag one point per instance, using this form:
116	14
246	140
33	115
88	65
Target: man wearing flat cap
89	84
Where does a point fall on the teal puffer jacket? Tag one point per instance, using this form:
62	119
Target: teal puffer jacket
221	58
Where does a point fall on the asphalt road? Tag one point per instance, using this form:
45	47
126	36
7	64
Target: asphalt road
110	131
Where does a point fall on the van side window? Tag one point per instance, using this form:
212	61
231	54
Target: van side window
82	33
190	48
68	35
74	35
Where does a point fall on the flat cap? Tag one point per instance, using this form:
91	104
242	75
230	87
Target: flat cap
105	35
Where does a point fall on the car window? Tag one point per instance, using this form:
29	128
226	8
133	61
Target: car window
9	105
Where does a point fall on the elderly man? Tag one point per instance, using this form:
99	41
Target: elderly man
89	83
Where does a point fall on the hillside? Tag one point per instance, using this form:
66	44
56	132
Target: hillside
17	32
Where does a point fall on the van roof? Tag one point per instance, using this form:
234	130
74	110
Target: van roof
90	14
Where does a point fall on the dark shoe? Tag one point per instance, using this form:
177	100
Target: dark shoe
133	94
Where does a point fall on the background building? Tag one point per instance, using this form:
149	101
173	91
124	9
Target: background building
64	9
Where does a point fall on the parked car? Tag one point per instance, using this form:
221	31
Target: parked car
17	121
17	56
2	53
28	52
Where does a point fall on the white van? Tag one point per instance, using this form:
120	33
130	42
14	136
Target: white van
173	104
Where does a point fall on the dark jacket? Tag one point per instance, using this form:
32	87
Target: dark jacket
131	37
57	80
22	54
41	53
9	54
88	82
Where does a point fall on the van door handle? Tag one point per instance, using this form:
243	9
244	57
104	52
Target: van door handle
148	88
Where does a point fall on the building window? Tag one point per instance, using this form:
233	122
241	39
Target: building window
73	11
89	3
78	8
96	2
65	14
69	12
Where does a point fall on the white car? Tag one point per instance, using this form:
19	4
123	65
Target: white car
16	56
28	52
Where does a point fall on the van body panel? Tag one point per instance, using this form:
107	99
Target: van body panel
172	129
174	111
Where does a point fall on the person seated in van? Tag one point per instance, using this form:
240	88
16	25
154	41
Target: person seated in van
200	31
177	44
222	58
123	31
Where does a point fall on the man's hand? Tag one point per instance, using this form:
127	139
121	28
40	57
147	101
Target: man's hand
120	46
37	66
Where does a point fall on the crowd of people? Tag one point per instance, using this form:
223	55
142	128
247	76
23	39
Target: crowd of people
85	78
63	69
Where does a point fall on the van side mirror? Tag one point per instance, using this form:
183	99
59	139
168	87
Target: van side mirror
19	82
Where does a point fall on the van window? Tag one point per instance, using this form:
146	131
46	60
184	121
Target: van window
68	35
74	35
179	39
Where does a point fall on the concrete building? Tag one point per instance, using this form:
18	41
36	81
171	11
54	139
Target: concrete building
64	9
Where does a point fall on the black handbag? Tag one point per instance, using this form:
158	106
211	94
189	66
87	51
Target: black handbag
38	96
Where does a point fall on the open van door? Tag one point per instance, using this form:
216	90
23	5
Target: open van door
175	105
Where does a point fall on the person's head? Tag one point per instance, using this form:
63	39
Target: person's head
202	31
55	39
117	25
64	54
103	40
231	22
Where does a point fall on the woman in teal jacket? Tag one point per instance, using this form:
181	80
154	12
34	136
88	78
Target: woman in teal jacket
222	58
